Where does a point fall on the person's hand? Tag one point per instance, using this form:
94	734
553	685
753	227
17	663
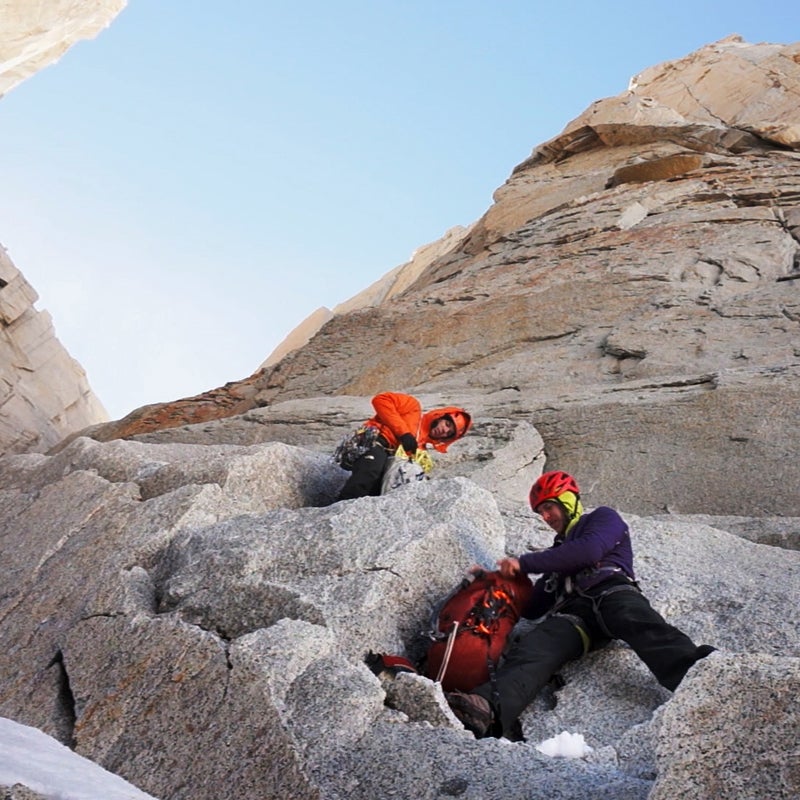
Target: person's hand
509	567
409	443
474	573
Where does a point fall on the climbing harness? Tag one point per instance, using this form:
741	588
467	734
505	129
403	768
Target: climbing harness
578	624
570	588
597	599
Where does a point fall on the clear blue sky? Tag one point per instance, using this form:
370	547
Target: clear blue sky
187	187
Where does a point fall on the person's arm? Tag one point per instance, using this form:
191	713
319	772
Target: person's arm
600	534
401	413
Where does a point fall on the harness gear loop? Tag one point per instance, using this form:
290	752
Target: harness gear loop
356	444
577	623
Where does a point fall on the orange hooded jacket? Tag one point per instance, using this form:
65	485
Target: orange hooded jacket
396	414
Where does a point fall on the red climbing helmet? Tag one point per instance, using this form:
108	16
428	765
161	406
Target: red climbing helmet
550	485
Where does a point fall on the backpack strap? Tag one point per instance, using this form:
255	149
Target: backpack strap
383	662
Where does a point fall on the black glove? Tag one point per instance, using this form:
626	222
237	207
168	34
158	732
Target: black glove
409	443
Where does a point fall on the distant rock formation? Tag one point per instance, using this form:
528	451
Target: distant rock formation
632	292
398	280
44	394
382	291
237	397
36	34
299	336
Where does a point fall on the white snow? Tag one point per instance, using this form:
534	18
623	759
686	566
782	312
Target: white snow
36	760
565	745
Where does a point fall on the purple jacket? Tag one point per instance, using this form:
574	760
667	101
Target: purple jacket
598	547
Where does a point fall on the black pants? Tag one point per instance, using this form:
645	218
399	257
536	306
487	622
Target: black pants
623	614
367	473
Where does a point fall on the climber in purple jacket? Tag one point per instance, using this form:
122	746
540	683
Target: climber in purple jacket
588	595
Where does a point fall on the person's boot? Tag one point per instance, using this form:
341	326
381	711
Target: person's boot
473	711
705	650
683	667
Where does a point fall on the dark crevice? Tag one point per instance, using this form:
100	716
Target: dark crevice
447	277
383	569
792	232
65	705
226	647
223	634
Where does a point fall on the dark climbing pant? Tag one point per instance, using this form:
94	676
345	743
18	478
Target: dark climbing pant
624	614
529	664
366	475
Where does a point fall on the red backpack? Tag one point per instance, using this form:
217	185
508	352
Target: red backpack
470	627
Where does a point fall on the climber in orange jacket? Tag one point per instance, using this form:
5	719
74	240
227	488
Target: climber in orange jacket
400	421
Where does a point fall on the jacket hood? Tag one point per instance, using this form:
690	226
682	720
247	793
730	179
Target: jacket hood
461	419
571	503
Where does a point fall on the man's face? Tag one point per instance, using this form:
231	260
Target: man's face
443	428
553	514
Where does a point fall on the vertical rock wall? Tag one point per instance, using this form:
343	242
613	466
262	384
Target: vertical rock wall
44	394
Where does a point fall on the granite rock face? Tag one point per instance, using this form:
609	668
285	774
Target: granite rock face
44	393
180	582
37	34
734	713
632	293
165	600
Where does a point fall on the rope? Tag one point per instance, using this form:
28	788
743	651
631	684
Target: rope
451	640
